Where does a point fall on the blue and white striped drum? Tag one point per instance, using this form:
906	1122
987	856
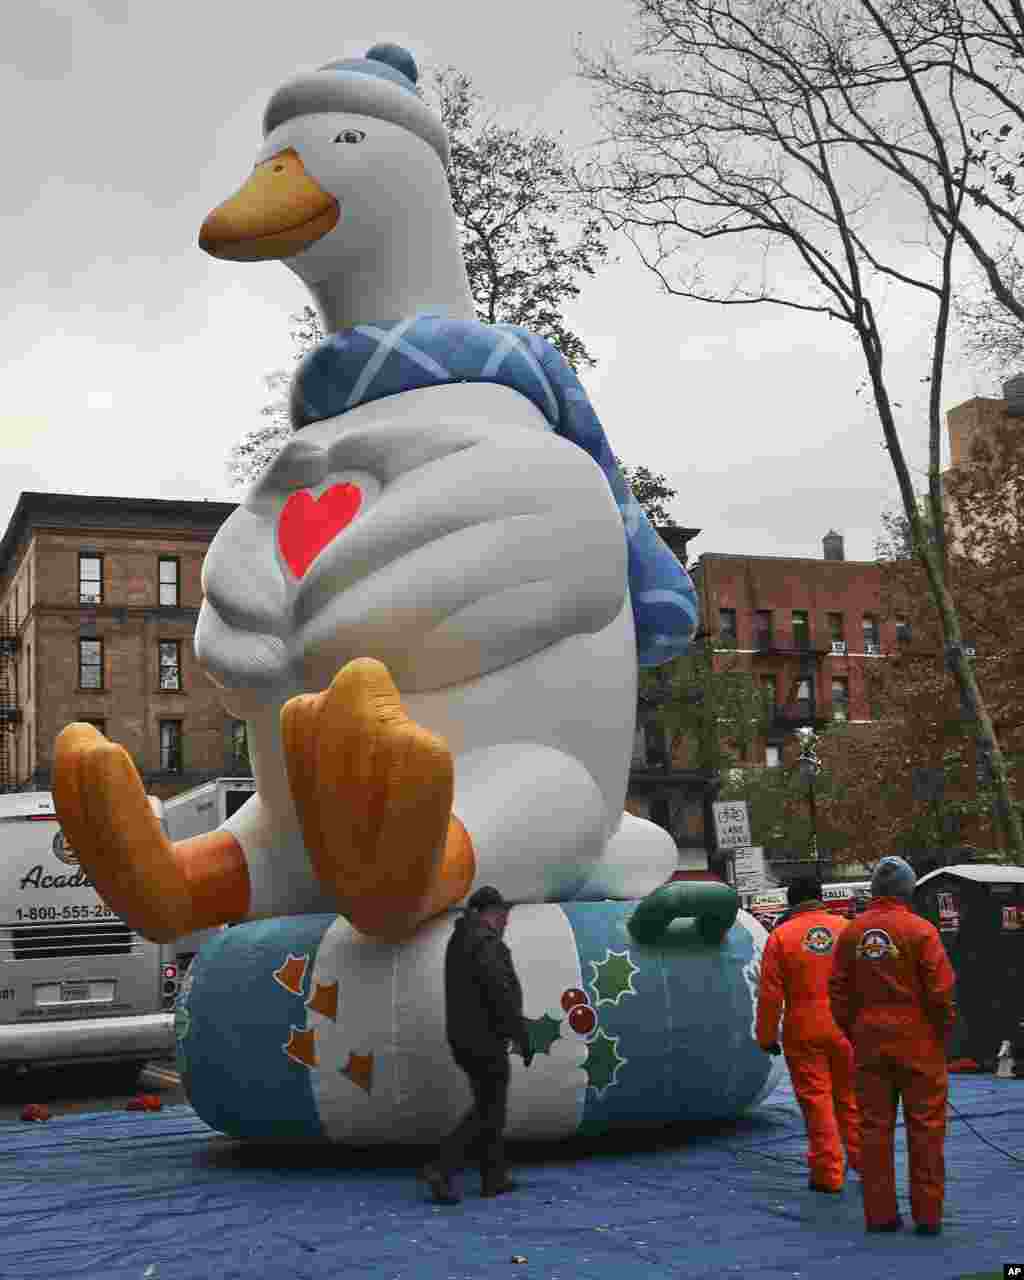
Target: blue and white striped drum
299	1028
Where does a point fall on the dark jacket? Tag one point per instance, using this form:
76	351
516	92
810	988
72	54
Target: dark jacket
483	998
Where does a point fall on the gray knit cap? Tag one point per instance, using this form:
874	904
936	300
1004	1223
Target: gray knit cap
893	878
382	85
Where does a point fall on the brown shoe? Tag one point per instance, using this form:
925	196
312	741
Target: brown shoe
440	1185
895	1225
929	1229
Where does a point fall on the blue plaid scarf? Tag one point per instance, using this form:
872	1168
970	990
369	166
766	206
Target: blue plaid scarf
357	366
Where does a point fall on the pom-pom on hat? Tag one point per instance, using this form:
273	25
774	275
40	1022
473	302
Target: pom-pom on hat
381	85
893	878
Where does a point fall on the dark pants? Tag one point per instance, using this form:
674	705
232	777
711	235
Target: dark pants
483	1124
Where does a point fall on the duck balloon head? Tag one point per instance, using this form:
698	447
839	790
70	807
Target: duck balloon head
350	191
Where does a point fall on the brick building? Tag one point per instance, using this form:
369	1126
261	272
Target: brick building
98	603
976	420
804	628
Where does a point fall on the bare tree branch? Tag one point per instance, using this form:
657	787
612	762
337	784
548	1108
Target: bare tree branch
761	129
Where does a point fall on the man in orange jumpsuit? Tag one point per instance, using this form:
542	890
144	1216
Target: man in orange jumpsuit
892	993
795	970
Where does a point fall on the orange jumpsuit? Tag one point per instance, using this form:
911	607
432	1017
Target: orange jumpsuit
795	969
892	993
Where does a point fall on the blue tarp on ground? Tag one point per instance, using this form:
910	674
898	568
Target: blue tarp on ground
161	1196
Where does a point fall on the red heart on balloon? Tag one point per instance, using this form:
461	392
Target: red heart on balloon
308	524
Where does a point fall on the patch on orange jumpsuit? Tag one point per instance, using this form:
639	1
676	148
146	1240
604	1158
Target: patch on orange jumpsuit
819	940
876	945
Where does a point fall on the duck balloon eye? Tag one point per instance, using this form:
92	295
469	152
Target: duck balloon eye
351	135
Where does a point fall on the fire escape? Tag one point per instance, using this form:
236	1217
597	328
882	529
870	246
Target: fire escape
10	714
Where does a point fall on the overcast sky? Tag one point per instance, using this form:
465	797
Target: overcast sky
133	361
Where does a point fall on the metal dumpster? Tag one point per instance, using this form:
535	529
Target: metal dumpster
979	912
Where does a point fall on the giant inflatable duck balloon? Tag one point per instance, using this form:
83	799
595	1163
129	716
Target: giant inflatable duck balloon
429	609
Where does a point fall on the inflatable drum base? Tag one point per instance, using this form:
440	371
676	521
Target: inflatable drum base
300	1029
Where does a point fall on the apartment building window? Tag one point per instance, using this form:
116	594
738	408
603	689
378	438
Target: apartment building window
840	698
762	628
768	687
870	628
656	745
239	747
170	664
801	629
805	694
727	628
168	572
903	632
90	664
170	746
90	578
836	631
772	757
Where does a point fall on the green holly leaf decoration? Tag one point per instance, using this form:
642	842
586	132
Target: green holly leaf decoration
542	1033
613	977
603	1061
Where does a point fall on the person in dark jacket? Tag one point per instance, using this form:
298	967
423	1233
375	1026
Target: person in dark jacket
484	1014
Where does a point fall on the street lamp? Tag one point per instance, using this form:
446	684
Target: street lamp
810	767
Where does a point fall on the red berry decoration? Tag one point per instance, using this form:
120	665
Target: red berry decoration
573	997
582	1019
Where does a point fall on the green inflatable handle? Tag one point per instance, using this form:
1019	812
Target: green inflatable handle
713	905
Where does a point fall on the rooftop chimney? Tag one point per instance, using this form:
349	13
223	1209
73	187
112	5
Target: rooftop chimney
833	544
1013	394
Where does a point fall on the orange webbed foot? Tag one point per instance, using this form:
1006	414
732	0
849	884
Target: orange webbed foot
373	791
161	890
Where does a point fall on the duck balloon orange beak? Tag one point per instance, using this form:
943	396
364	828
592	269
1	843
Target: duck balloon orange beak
279	212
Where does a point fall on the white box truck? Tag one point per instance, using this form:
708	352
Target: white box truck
77	985
194	813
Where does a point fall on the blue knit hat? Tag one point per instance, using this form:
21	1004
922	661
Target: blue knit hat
381	85
893	878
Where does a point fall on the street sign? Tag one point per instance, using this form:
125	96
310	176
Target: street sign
749	873
732	824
